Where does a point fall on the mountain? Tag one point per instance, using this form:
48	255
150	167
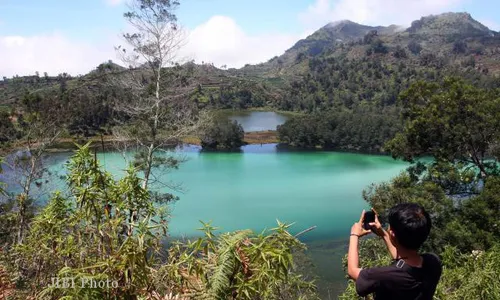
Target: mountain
327	37
334	33
436	34
449	24
345	64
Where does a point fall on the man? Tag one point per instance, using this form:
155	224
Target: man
411	275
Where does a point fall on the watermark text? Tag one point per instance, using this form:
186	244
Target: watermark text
81	282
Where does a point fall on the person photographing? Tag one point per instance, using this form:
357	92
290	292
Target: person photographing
411	275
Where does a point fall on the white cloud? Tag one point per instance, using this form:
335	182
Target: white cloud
52	53
222	42
373	12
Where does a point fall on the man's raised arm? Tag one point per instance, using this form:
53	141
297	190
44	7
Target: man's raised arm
378	230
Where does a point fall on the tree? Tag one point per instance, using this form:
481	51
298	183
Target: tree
40	126
451	121
159	112
361	130
370	37
300	131
158	115
222	134
414	47
377	46
459	47
7	130
399	52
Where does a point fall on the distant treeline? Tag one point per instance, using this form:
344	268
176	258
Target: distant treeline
364	130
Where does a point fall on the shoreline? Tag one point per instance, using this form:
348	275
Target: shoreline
107	142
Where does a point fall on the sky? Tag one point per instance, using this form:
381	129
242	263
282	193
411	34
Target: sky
75	36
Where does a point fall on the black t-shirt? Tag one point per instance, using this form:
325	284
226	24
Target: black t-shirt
401	281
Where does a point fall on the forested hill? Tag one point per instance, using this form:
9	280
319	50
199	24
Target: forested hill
437	34
346	64
342	65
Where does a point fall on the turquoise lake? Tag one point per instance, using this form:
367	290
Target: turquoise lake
255	187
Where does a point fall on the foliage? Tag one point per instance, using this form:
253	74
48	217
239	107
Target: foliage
361	130
37	129
107	228
333	70
472	275
450	121
93	233
343	82
467	220
404	189
414	47
478	226
85	235
7	130
159	112
377	47
222	134
239	265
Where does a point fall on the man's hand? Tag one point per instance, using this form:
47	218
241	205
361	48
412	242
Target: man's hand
353	268
376	226
358	229
378	230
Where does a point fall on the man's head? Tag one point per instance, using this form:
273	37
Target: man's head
410	225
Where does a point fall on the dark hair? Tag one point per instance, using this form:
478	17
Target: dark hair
411	224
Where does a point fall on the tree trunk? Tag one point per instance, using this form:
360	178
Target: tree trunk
23	200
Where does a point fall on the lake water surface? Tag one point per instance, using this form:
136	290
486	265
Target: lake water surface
252	121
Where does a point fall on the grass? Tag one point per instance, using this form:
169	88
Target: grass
261	137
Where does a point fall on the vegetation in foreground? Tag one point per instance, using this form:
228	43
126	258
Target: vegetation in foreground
85	235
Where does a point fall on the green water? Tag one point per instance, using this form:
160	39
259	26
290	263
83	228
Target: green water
253	188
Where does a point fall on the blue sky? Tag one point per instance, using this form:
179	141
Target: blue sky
76	35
